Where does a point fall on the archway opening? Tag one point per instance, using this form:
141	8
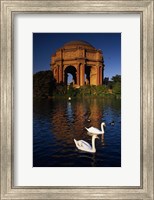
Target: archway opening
69	79
87	75
70	75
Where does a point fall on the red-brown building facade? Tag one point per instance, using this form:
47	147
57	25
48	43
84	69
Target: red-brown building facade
83	61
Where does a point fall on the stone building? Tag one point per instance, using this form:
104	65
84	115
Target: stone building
80	59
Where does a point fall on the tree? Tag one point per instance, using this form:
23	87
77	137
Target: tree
116	78
43	84
116	84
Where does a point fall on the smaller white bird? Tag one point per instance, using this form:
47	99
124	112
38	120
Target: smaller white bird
85	146
69	98
96	130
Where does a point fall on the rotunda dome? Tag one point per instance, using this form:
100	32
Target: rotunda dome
78	43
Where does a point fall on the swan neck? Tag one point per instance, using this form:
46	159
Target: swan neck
93	144
102	127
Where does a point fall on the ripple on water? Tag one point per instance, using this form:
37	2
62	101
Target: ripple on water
57	123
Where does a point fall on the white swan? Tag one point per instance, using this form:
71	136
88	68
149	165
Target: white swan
96	130
85	146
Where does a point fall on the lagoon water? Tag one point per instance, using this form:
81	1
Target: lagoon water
56	122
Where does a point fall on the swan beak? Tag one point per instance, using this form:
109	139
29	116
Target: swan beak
97	137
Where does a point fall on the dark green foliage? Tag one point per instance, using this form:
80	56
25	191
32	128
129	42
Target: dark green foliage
117	88
116	84
71	91
92	90
60	89
116	79
44	86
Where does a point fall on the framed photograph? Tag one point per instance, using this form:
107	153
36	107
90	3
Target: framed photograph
77	99
74	85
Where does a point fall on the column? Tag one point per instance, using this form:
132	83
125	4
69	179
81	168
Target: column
78	75
64	78
61	67
97	75
57	74
60	73
100	73
82	74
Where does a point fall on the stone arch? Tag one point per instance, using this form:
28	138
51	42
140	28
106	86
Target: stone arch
72	70
80	59
87	74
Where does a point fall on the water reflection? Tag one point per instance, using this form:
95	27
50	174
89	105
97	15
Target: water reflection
102	139
58	122
70	115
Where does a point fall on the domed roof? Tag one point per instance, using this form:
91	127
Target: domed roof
78	43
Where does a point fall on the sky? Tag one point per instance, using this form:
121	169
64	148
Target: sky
46	44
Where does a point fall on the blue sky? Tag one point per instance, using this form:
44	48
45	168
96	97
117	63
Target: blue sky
46	44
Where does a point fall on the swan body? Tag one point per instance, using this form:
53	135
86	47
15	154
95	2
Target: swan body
85	146
96	130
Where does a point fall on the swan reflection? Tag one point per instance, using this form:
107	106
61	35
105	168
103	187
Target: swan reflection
103	139
58	121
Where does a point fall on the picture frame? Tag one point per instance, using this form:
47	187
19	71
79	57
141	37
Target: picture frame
8	11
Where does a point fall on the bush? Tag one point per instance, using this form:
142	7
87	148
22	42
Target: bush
117	88
44	85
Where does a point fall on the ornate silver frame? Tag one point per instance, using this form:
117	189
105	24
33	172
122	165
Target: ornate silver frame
142	7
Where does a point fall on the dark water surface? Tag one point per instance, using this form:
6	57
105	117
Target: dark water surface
57	122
